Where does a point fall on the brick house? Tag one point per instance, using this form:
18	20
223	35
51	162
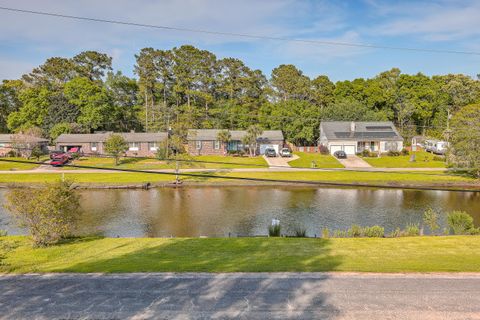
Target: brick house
205	141
139	143
8	142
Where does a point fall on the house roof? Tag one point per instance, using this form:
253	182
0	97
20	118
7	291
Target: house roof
9	138
364	130
212	134
100	137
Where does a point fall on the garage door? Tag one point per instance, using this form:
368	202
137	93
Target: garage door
334	148
349	149
263	147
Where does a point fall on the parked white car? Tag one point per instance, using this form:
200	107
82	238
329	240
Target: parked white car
436	146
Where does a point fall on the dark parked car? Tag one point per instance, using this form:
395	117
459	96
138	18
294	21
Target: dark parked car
59	160
340	154
56	153
270	152
285	152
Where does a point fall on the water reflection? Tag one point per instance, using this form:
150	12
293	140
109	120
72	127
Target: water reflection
212	211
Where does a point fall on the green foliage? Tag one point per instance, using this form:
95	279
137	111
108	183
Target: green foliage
412	230
465	139
115	145
48	213
325	233
461	222
300	233
274	230
374	232
3	233
430	218
36	153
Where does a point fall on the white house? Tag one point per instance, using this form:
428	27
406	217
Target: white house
353	137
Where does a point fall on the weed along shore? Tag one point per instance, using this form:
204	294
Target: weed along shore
107	255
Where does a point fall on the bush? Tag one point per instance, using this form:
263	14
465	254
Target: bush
340	234
396	233
392	153
404	152
323	150
274	230
438	158
355	231
374	232
461	222
412	230
430	218
300	233
325	233
3	233
49	213
368	154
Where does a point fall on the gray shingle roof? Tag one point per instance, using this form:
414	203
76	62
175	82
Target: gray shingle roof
8	138
101	137
364	130
212	134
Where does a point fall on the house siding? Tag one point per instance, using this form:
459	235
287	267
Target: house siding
143	150
209	149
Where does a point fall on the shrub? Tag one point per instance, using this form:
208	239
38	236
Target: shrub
438	158
404	152
392	153
3	233
49	213
355	231
325	233
396	233
369	154
340	234
323	150
274	230
374	232
300	233
412	230
430	218
461	222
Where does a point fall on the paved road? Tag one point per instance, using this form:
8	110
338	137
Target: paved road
240	296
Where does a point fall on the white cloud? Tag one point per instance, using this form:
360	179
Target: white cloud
432	21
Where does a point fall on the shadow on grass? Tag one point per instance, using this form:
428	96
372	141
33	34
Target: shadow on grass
186	295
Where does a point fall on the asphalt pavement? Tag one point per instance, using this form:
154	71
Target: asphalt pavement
240	296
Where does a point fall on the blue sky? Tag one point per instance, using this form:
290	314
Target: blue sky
27	40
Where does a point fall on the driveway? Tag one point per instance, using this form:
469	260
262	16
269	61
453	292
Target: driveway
353	161
280	161
240	296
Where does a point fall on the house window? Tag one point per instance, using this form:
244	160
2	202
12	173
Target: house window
93	146
372	146
198	144
217	145
153	146
133	146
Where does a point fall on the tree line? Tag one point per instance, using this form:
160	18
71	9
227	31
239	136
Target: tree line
187	87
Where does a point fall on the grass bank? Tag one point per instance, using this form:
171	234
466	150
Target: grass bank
423	160
224	162
12	166
411	254
377	178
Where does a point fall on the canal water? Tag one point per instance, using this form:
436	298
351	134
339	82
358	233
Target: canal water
247	211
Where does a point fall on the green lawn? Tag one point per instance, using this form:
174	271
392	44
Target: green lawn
423	160
322	161
7	166
381	178
226	162
411	254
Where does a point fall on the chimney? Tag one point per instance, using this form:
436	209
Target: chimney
352	126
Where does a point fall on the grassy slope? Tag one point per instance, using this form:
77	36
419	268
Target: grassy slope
325	176
17	166
322	161
417	254
152	164
423	160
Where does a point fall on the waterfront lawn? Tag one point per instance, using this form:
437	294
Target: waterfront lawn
380	178
322	161
224	162
423	160
12	166
410	254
